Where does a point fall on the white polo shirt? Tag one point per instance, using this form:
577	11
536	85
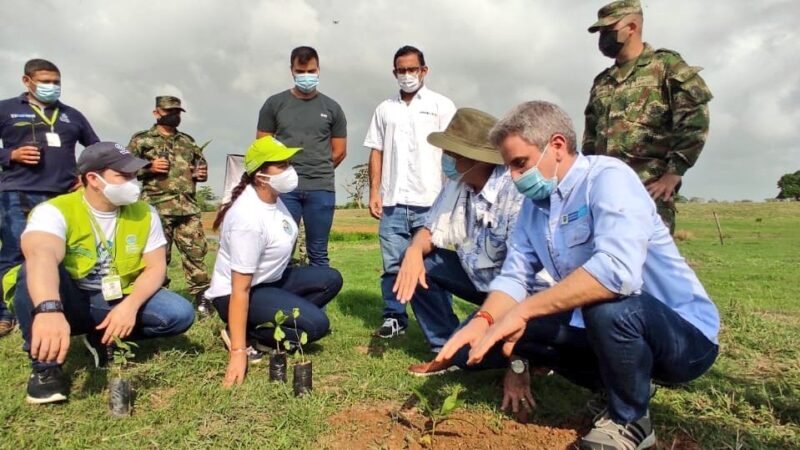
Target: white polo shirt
412	168
257	238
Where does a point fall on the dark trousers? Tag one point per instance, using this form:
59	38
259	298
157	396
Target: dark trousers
306	288
626	344
14	209
315	208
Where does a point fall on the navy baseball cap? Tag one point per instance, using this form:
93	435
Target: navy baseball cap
109	155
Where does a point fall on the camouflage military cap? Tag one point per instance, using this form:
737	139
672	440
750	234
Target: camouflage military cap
613	12
168	102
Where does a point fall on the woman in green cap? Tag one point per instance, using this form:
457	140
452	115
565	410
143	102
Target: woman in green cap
251	279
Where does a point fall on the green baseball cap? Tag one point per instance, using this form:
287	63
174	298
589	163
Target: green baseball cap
613	12
168	102
467	135
266	149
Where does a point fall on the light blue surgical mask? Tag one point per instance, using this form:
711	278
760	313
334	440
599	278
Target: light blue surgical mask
47	92
533	185
449	167
306	82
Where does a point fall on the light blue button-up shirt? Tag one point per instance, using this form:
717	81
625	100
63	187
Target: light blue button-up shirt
601	218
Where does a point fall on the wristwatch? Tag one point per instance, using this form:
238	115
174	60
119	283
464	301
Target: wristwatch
48	306
519	365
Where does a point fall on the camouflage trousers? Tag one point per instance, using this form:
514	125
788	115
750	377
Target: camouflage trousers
187	233
667	212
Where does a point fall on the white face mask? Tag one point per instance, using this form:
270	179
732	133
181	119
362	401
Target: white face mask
122	194
283	182
408	83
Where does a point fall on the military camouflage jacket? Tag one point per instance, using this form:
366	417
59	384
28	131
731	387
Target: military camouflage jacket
652	114
171	194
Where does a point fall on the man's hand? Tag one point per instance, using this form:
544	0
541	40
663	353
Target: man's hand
160	165
517	395
50	337
468	335
237	369
201	174
510	330
119	322
375	206
412	273
664	187
26	154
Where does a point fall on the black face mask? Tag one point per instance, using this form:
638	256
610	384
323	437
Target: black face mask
608	44
170	120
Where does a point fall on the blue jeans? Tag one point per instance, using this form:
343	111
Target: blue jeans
315	208
164	314
14	209
626	344
398	225
435	312
306	288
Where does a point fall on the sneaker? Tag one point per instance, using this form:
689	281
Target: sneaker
597	406
101	354
6	326
253	356
431	368
391	327
47	386
609	435
204	307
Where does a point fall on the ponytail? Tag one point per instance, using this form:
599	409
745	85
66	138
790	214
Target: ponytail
235	193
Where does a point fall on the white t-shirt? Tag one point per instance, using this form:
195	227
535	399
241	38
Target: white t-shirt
411	173
47	218
257	238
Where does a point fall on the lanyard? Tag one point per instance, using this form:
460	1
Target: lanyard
102	236
51	121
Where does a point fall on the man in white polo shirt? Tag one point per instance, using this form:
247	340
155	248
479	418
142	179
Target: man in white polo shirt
405	173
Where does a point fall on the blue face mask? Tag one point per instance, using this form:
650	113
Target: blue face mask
449	167
306	82
533	185
47	93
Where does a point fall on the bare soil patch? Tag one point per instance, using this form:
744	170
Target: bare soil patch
389	427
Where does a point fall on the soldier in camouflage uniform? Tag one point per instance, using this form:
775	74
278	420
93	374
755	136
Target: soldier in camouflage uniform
650	109
169	185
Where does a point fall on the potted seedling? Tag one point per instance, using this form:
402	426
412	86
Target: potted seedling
437	416
32	141
199	158
277	360
120	398
303	374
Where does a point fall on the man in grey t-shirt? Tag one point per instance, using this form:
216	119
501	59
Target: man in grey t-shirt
304	117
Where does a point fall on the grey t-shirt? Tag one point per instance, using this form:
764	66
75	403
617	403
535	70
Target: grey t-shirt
309	124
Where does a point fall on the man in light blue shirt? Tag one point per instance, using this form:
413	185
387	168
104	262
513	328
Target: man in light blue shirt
626	308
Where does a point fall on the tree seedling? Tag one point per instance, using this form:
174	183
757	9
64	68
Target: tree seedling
277	361
303	373
33	124
120	398
437	416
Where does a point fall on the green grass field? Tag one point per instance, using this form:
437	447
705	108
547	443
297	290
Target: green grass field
750	399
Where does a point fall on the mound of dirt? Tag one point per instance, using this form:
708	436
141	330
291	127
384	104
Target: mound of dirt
388	427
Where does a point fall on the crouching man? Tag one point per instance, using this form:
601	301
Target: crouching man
636	310
94	264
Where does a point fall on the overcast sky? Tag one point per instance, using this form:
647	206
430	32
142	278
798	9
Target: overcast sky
225	58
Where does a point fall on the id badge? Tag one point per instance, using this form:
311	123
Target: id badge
111	287
53	139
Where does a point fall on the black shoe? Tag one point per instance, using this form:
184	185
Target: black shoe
47	386
101	354
391	327
204	307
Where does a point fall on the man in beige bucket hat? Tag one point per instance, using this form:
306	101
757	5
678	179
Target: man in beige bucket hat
463	245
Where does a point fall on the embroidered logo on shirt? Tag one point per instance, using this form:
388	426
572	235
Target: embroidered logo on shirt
64	117
22	116
575	215
323	115
428	113
130	244
286	227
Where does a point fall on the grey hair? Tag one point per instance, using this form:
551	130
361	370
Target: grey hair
535	122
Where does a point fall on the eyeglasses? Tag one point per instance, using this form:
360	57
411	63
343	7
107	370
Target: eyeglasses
405	70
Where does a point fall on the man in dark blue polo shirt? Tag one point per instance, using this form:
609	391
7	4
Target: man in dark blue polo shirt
39	134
